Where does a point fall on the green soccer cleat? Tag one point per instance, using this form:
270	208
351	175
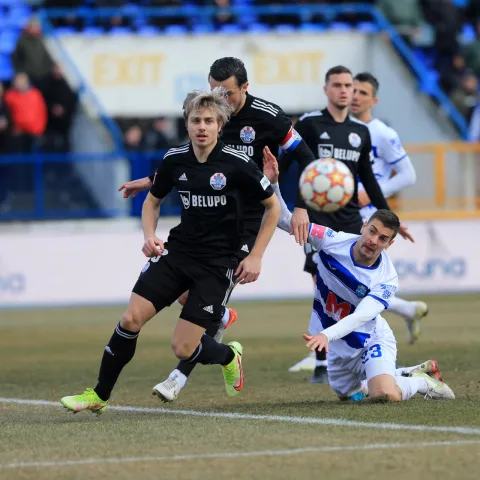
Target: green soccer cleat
233	372
88	400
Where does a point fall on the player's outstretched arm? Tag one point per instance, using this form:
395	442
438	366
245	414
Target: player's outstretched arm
134	187
366	310
153	246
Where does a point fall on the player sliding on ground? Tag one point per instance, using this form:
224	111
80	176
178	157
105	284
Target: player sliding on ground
213	181
355	282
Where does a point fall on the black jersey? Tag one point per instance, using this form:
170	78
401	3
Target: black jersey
213	195
258	124
350	143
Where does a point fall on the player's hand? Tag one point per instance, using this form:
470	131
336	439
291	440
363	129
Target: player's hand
249	269
131	189
403	231
363	198
153	247
270	165
316	342
299	225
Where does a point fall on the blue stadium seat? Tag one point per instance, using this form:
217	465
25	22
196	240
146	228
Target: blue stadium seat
93	31
258	27
8	40
65	31
467	35
367	27
175	30
284	28
120	31
202	28
340	27
230	29
148	31
311	27
6	69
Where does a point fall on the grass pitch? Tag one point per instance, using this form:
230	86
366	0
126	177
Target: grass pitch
47	354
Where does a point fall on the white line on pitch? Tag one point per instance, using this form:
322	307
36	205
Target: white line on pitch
272	418
296	451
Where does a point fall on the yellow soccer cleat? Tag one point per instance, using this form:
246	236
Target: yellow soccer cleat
88	400
430	367
233	372
436	390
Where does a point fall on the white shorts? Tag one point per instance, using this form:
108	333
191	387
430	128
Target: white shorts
367	212
378	358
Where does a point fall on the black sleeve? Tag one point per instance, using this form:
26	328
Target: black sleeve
254	182
162	180
367	176
304	156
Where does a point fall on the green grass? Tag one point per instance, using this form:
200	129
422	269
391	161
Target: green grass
46	354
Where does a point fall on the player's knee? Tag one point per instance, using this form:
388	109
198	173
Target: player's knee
382	394
182	299
131	321
181	349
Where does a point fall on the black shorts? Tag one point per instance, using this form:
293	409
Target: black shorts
310	266
164	279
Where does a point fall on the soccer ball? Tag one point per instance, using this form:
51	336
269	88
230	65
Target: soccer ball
326	185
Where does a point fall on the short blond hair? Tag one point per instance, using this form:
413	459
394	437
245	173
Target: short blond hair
216	100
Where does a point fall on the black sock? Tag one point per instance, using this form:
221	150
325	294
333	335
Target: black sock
320	355
117	354
187	367
210	352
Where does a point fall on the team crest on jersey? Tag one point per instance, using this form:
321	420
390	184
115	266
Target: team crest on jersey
218	181
361	291
247	134
354	140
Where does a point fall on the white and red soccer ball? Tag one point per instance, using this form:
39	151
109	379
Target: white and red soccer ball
326	185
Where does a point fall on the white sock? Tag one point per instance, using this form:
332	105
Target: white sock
402	307
409	386
321	363
180	377
405	370
226	317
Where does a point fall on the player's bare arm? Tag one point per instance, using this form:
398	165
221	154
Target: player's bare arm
150	213
134	187
249	269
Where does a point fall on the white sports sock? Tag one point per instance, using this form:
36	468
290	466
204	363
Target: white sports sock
409	386
321	363
405	370
226	317
402	307
180	377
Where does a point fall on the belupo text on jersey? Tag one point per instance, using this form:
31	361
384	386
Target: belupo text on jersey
248	149
208	201
329	151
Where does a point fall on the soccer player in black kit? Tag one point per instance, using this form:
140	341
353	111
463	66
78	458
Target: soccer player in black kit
213	181
254	125
331	133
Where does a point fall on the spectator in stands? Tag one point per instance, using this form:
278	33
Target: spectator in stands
116	20
28	112
4	125
451	74
472	53
158	137
61	103
405	15
447	21
466	96
133	139
30	55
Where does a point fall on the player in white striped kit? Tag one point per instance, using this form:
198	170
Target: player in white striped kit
389	156
355	282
